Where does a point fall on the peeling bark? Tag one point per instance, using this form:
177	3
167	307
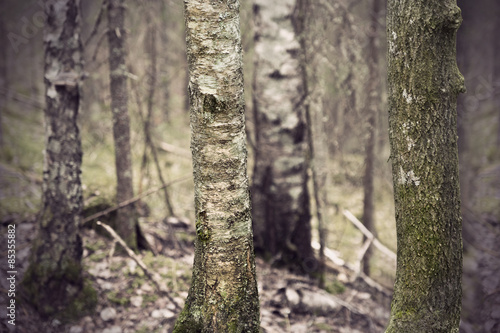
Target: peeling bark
55	262
280	197
424	82
223	295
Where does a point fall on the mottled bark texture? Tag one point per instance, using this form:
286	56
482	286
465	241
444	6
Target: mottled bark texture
53	282
126	219
223	295
280	198
371	109
424	82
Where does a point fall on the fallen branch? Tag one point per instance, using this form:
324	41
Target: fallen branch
357	223
362	253
154	277
340	265
132	200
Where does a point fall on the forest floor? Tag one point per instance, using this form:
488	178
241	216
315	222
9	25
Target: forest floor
128	301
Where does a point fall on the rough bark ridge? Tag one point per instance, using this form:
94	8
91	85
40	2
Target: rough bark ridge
56	255
424	82
280	197
223	295
126	223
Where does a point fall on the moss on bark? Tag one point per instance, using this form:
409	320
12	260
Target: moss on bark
424	82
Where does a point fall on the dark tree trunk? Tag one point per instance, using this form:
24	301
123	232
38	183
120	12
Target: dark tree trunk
54	282
3	77
424	82
496	74
280	196
126	219
372	107
223	296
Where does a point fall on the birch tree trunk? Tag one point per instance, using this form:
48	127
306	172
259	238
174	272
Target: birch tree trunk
280	197
126	219
223	295
53	282
424	82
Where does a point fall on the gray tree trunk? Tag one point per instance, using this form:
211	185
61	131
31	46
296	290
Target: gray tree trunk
280	197
53	282
424	82
372	107
223	296
126	219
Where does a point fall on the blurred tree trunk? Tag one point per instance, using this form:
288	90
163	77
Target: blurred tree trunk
54	282
152	81
165	79
223	296
126	220
372	106
3	76
496	75
280	196
424	82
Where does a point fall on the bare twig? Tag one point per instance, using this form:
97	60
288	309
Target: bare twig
29	176
99	41
153	276
97	22
134	199
37	103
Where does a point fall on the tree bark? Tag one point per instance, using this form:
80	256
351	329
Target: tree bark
372	107
126	219
223	296
3	77
496	72
424	82
279	191
53	282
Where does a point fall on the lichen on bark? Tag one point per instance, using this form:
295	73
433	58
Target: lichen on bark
424	82
223	294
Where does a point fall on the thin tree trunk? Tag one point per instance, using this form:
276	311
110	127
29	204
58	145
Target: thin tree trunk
3	78
496	75
54	282
126	219
372	106
313	115
279	191
147	123
424	82
223	296
165	81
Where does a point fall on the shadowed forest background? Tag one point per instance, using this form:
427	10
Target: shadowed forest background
349	132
